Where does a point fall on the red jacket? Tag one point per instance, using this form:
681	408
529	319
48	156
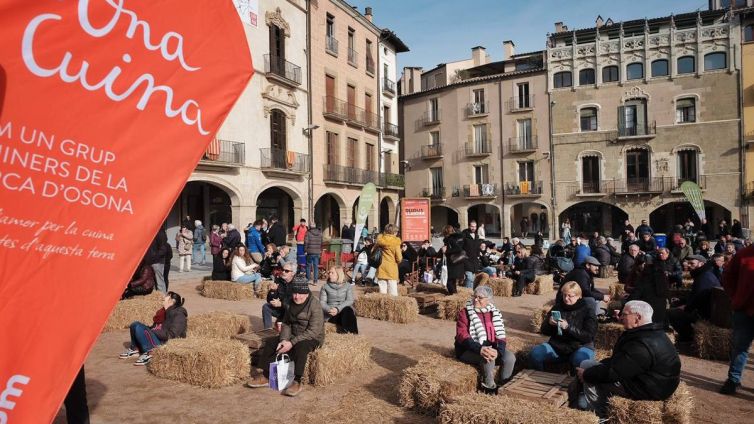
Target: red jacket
738	280
463	338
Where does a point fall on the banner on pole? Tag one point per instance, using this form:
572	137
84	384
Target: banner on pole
694	196
415	219
366	201
105	109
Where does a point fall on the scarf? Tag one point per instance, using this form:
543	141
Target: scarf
477	331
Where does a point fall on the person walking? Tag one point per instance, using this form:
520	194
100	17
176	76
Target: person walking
184	240
387	272
200	242
156	257
313	249
454	256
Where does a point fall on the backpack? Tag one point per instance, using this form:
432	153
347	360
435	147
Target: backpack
375	257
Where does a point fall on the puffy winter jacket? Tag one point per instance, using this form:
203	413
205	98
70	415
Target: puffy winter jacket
174	325
313	241
339	296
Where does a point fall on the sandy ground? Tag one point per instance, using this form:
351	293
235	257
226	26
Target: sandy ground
119	392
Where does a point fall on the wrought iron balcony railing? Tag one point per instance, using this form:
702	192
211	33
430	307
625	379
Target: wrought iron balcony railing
478	148
522	144
284	160
480	191
434	193
519	103
477	109
279	66
331	44
388	85
224	152
335	108
390	130
431	151
524	188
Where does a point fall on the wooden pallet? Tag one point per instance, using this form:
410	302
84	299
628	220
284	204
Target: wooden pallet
257	339
544	386
426	299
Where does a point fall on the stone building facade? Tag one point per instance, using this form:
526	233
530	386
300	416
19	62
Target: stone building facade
638	108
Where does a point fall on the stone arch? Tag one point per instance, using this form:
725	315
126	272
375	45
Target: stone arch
280	200
233	192
330	212
527	207
665	216
587	217
388	210
442	215
488	214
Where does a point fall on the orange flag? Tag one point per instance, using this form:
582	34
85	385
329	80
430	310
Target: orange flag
106	106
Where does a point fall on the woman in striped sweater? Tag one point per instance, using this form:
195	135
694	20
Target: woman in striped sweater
480	338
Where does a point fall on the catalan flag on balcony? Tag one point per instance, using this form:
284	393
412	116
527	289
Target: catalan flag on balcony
694	196
213	150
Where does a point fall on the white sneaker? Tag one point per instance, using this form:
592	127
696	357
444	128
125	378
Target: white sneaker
128	353
143	359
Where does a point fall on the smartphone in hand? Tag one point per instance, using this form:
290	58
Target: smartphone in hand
555	315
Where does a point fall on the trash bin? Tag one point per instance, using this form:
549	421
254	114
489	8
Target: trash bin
661	239
336	247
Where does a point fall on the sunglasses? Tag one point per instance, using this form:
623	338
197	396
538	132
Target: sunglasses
480	297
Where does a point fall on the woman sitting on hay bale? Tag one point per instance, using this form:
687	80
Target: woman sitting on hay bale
243	268
303	330
572	336
169	323
486	261
387	272
142	282
534	265
480	338
269	261
221	265
336	297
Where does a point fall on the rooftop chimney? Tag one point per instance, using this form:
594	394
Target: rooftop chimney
368	13
479	55
559	27
509	49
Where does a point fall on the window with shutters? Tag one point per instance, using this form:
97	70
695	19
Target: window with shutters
590	174
481	174
588	119
277	130
370	157
351	153
632	118
686	65
332	148
610	74
685	110
586	76
687	166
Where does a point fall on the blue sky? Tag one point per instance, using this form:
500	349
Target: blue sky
439	31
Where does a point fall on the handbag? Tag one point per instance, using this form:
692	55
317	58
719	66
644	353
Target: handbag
444	273
281	372
428	278
459	257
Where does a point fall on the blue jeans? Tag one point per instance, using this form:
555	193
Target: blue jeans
365	270
200	251
490	270
743	334
142	337
254	278
268	311
312	261
469	279
545	353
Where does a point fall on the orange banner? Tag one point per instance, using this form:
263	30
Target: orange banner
415	219
106	106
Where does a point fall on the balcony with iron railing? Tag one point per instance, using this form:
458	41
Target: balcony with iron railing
521	103
353	57
392	180
370	65
430	117
480	191
284	161
700	180
349	176
431	151
388	86
331	45
522	144
434	193
282	70
335	108
390	131
633	132
478	109
524	189
638	185
362	118
478	148
224	153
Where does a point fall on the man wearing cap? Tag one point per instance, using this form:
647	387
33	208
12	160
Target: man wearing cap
584	276
303	330
698	305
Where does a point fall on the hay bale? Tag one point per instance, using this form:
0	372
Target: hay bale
402	290
330	328
339	356
501	286
435	379
479	408
616	290
209	363
712	342
139	308
607	335
263	289
465	291
541	285
227	290
676	410
448	306
540	315
400	309
431	288
481	279
218	325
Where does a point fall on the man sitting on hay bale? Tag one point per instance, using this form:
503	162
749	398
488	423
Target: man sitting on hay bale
572	335
699	304
480	338
644	365
303	330
169	323
584	275
279	296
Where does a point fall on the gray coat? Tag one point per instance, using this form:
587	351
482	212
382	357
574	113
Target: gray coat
337	296
313	241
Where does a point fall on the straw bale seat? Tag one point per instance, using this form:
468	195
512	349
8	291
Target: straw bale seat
341	355
263	289
616	290
138	308
399	309
448	306
435	379
402	290
712	342
541	285
540	315
217	325
607	335
227	290
502	287
676	410
203	362
479	408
